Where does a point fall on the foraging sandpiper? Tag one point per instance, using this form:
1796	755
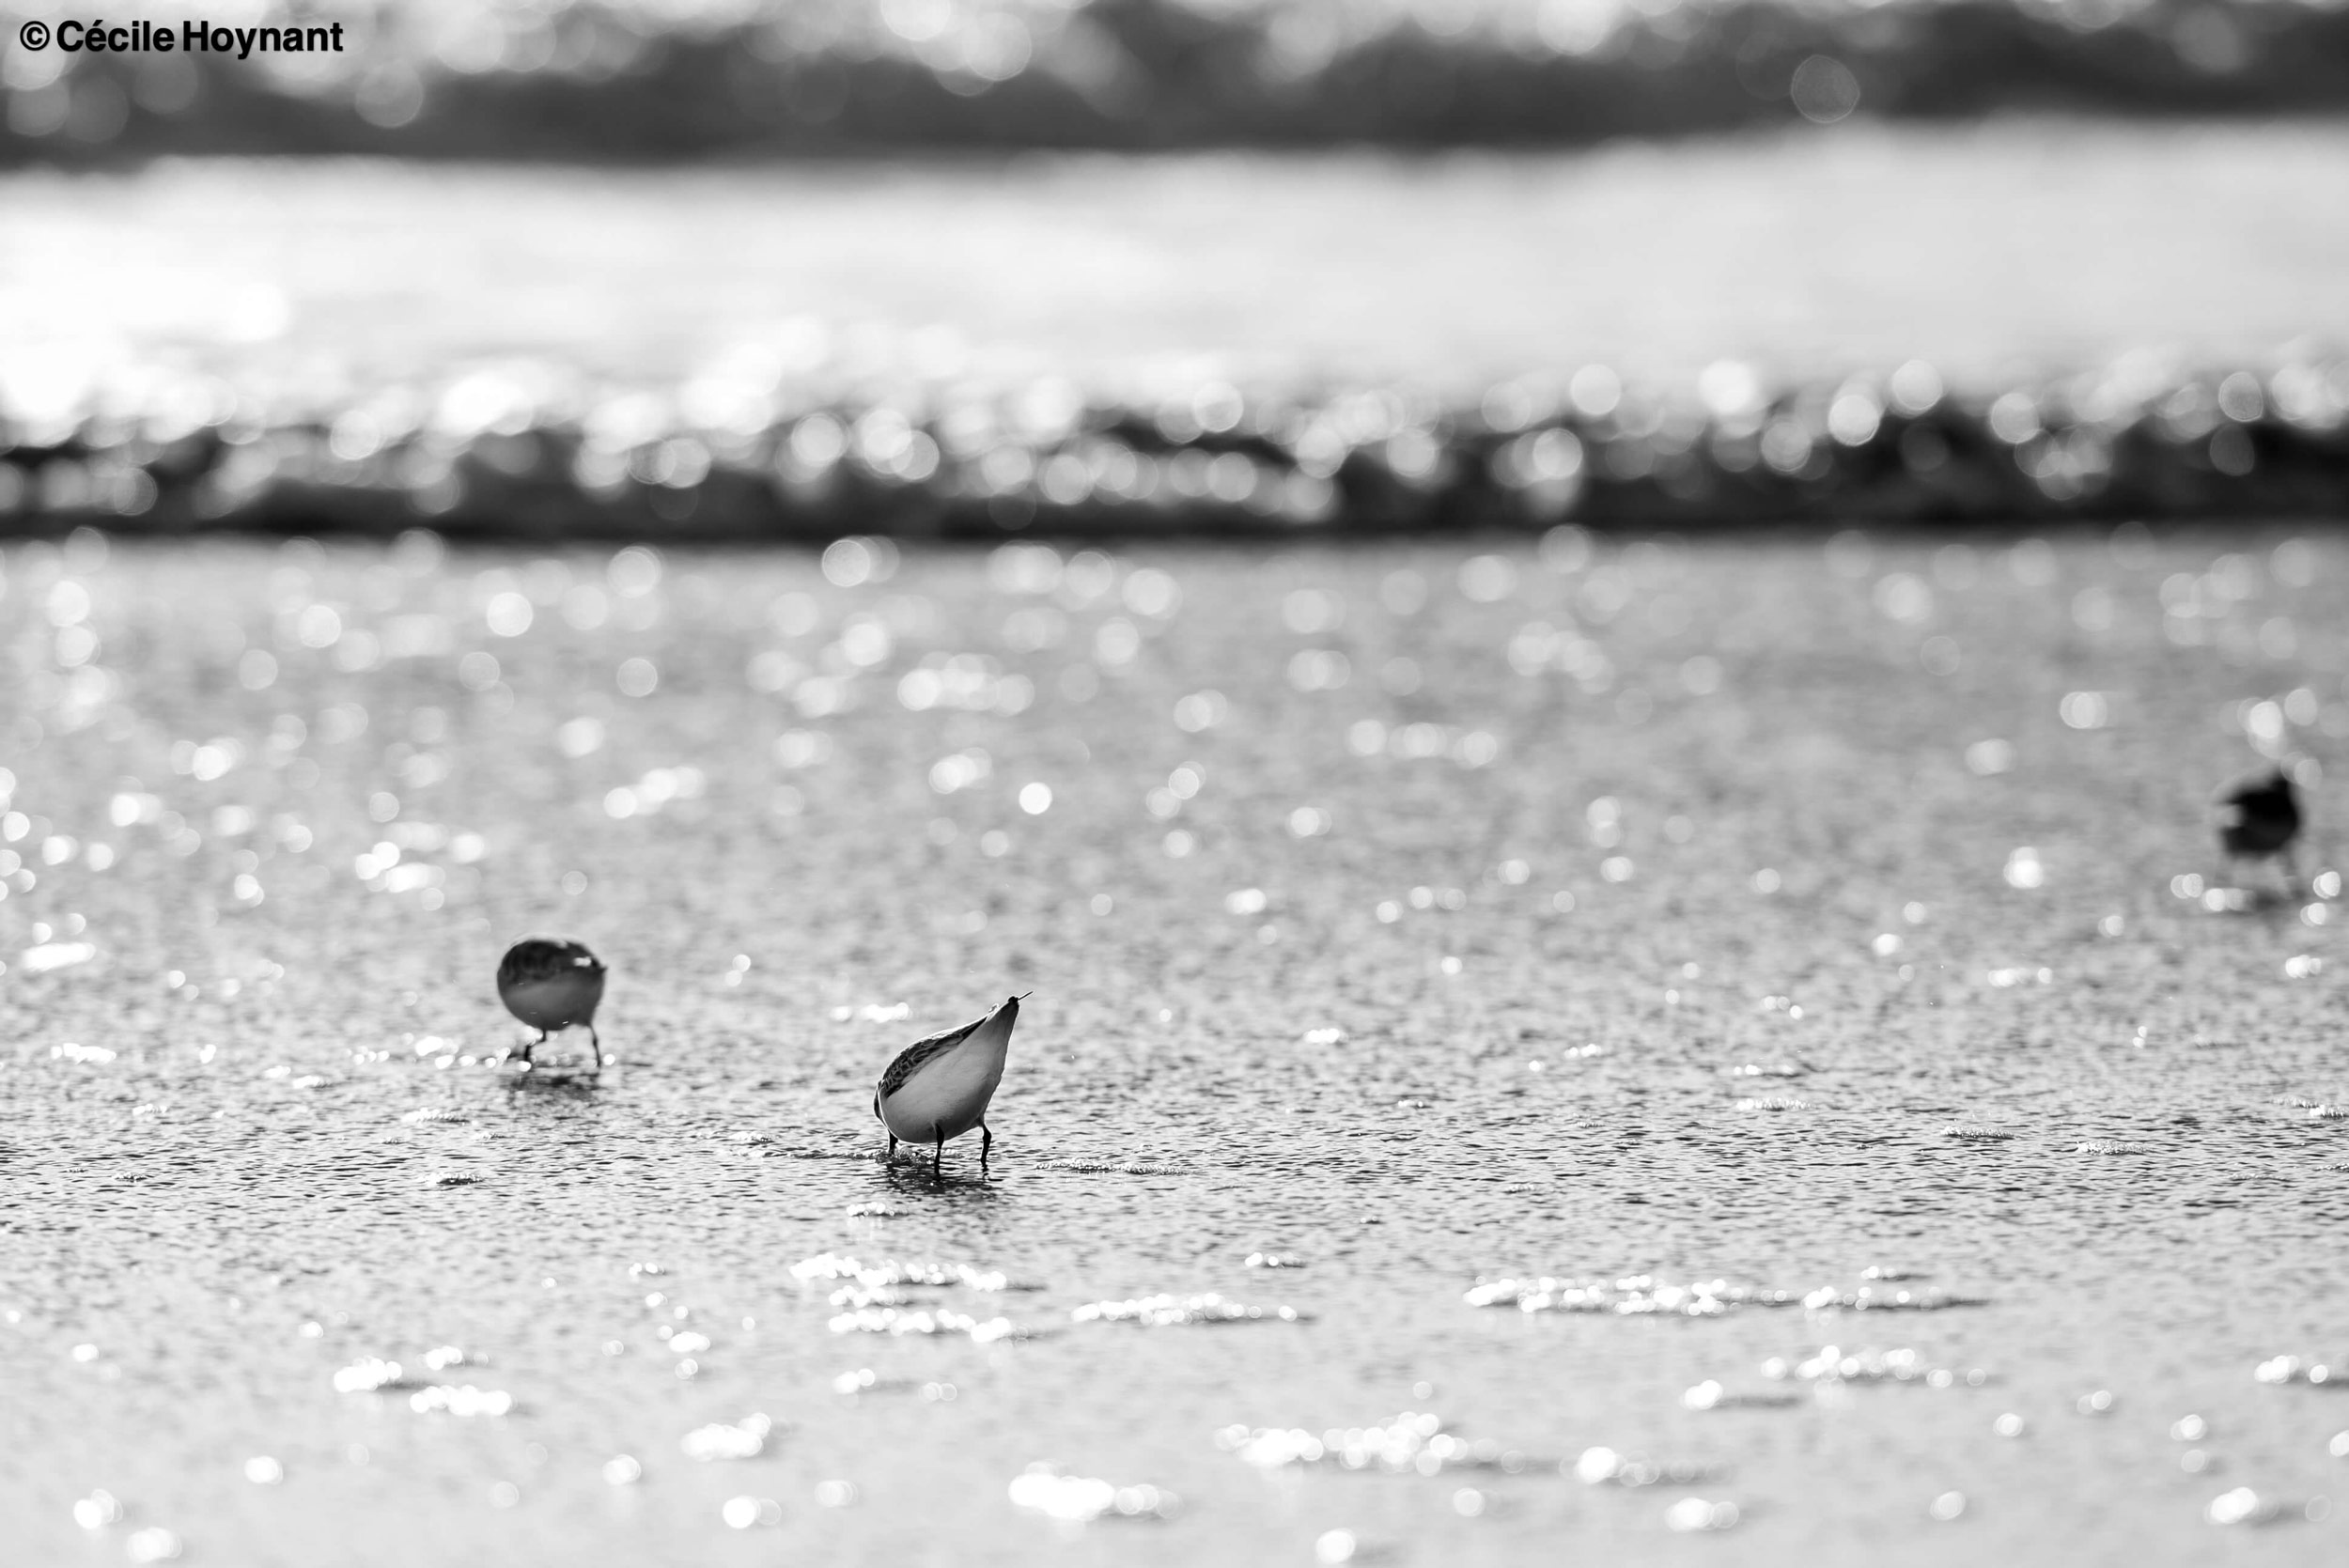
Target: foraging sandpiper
2258	816
552	982
937	1088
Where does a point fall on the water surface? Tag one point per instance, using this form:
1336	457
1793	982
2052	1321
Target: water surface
1737	936
1991	251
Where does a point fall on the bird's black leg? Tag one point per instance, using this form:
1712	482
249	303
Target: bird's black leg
534	1046
597	1041
892	1148
937	1159
986	1142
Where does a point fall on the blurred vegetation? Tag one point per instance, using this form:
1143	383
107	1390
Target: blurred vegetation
594	79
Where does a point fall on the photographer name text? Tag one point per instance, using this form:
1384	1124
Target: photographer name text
189	38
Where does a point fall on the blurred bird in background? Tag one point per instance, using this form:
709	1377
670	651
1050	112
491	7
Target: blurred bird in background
2258	816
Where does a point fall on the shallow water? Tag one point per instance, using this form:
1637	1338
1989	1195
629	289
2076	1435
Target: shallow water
1459	967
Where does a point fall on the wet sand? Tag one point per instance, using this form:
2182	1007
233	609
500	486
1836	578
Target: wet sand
1699	927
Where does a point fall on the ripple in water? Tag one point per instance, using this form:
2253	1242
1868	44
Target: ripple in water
460	1400
2292	1369
1831	1364
1869	1299
152	1545
1692	1514
888	1273
896	1321
1711	1395
743	1439
1166	1311
1605	1467
2243	1506
1081	1499
1633	1296
367	1375
862	1380
1413	1441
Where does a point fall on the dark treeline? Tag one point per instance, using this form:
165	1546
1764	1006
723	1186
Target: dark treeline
592	82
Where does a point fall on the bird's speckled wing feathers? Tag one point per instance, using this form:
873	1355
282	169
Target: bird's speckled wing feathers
544	958
909	1060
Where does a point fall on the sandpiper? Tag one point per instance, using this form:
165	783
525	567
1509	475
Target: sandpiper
552	982
937	1088
2259	815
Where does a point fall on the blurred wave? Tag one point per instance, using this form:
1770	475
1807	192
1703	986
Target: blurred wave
756	450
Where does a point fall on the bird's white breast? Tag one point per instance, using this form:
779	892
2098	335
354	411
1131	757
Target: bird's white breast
557	1002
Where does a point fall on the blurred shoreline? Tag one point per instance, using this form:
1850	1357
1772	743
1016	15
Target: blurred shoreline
2012	324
